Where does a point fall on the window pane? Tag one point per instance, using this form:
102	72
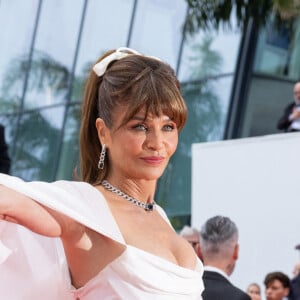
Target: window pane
278	51
207	54
54	52
37	143
157	28
266	102
17	20
272	51
294	65
69	157
105	27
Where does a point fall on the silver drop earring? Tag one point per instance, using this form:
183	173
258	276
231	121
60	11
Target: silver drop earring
102	157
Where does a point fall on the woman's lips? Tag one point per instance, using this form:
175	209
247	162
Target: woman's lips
155	160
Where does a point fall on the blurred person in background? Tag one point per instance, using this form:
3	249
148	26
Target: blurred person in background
219	250
290	120
4	157
277	286
192	235
254	291
295	283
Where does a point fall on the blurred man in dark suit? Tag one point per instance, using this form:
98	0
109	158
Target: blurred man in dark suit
219	250
4	157
290	120
295	282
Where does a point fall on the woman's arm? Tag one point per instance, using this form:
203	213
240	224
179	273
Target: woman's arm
18	208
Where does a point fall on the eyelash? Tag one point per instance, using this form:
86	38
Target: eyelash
170	127
140	127
143	127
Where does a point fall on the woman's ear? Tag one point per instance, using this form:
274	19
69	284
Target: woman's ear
102	130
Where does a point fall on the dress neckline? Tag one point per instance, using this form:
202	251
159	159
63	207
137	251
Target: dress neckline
159	209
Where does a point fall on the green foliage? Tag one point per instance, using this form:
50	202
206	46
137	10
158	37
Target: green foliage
211	14
287	9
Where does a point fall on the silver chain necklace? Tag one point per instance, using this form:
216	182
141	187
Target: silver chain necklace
111	188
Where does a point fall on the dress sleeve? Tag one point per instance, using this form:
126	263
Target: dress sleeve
33	266
77	200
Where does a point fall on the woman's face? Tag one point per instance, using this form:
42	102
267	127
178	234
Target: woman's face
254	292
141	148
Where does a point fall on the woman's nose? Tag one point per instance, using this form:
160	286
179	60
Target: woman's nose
155	139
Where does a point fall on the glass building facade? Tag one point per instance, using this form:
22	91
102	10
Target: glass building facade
48	46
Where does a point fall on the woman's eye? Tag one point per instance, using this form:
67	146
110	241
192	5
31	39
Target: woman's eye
140	127
168	127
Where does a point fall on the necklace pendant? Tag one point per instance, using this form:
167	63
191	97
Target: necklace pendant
149	207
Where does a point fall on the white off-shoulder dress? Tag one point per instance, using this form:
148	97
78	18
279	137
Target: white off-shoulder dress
33	267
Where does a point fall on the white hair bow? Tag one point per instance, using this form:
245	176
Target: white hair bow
120	53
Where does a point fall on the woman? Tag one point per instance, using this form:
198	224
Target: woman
118	243
253	290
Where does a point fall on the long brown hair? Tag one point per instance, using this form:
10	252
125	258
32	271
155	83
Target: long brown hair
135	82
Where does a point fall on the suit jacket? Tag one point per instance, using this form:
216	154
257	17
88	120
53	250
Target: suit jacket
4	158
217	287
284	123
295	288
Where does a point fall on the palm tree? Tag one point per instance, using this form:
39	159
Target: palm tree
34	153
211	14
